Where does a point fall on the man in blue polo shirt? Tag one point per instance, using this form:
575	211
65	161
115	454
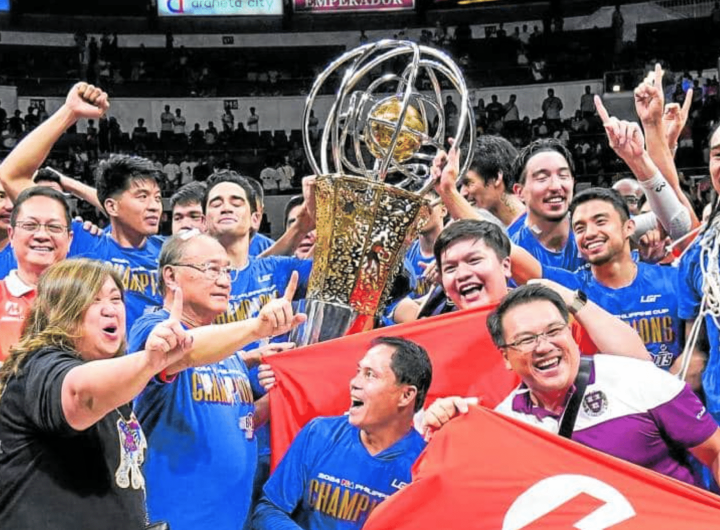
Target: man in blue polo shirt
339	469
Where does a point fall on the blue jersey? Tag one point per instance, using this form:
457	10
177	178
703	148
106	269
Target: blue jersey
328	480
137	268
690	292
262	280
202	454
7	261
82	241
413	258
516	225
569	258
259	244
648	304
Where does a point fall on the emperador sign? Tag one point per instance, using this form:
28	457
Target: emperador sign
345	6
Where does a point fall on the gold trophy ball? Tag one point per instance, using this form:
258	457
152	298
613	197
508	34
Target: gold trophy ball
410	139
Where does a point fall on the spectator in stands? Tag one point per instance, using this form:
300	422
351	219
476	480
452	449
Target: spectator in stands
228	120
270	179
166	126
253	121
587	103
551	107
172	172
16	125
211	134
104	134
187	166
197	137
617	24
495	113
114	134
139	136
3	118
179	129
375	442
31	120
525	35
511	117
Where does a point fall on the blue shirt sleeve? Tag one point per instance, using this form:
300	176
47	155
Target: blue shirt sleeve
83	241
561	276
283	492
690	284
140	331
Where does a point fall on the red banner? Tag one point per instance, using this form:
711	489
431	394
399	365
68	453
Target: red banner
345	6
486	471
315	380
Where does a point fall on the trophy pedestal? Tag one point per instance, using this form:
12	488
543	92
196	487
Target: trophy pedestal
325	321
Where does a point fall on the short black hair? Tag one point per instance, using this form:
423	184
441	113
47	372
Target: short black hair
494	155
522	295
489	233
608	195
539	146
411	365
295	200
190	193
115	175
228	175
41	191
47	175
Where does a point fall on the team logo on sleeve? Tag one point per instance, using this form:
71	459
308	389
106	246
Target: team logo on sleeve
595	403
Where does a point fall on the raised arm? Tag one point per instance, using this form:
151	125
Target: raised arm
79	189
18	168
295	233
444	171
650	108
626	139
610	334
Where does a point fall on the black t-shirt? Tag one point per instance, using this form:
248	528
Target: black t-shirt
52	476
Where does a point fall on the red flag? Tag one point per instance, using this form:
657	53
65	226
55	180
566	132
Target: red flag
486	471
314	381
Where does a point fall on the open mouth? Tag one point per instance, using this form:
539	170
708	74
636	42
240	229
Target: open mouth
110	330
547	364
356	403
41	249
471	291
555	200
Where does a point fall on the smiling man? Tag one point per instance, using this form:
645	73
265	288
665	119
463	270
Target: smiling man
544	174
339	469
629	409
40	235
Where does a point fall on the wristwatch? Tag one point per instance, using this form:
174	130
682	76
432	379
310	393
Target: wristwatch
578	302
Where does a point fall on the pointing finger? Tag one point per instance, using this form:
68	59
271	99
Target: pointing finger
602	111
292	286
176	310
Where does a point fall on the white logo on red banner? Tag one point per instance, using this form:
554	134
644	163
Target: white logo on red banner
552	493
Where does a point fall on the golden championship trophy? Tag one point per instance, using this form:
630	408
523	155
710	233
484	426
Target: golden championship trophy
377	145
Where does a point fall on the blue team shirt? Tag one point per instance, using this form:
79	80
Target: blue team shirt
413	258
81	242
137	268
569	258
259	244
690	292
262	280
328	480
201	456
516	225
648	304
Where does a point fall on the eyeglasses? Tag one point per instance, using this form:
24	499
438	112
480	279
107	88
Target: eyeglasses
210	270
631	199
528	343
51	228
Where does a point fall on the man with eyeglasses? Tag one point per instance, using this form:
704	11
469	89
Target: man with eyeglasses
629	409
632	194
200	422
40	235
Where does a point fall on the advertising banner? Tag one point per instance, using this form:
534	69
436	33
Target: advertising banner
225	8
345	6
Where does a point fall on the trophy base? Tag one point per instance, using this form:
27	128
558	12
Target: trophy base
325	321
